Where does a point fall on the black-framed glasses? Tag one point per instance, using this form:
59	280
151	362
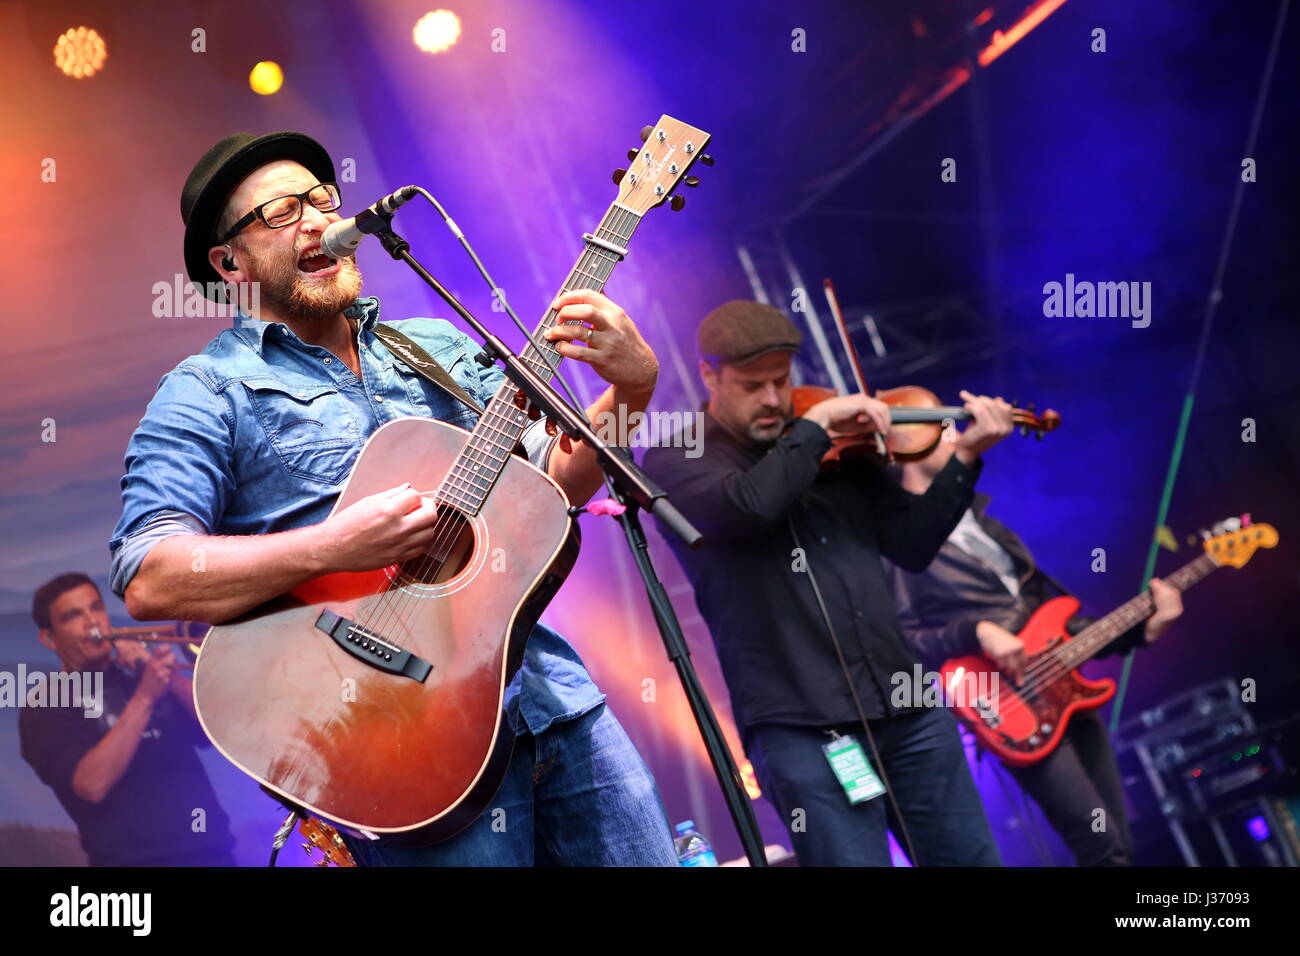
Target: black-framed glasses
286	210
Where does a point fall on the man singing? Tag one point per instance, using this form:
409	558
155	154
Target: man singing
245	447
790	583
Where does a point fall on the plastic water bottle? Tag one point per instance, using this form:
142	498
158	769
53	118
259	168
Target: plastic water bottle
692	848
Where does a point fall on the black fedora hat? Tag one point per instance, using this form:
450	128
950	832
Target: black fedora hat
215	177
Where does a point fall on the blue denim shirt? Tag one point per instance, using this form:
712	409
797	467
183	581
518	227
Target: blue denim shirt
258	433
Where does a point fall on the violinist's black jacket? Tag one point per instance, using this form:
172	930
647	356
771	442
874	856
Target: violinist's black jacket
751	583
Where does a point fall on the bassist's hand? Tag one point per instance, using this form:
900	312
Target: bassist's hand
385	528
1169	607
1003	648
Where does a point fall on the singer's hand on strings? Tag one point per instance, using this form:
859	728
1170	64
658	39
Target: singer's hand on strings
592	329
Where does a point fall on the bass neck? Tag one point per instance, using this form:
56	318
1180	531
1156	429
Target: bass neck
1089	642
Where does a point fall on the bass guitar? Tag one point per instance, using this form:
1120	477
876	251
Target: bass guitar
1021	724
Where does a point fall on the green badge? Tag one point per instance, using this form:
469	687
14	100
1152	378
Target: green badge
852	769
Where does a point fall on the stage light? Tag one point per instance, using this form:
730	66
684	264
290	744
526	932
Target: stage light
80	53
437	32
266	78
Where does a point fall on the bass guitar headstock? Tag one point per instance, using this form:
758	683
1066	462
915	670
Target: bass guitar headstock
1236	541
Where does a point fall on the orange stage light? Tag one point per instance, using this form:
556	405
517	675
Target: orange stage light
80	53
1003	41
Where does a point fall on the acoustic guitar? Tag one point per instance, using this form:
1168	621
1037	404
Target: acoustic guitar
374	700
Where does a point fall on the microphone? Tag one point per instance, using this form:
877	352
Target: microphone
340	239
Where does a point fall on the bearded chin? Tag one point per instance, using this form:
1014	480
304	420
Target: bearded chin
289	294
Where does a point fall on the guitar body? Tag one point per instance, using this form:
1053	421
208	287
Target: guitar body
1023	729
301	693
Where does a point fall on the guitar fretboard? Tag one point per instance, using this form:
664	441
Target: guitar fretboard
481	461
1097	635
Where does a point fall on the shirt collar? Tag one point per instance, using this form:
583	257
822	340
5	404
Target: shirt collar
253	331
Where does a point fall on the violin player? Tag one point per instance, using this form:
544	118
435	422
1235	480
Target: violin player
790	582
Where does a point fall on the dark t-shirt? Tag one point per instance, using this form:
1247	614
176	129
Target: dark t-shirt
148	818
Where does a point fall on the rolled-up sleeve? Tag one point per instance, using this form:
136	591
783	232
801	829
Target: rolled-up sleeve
178	462
130	553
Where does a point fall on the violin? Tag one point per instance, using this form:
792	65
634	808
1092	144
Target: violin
917	419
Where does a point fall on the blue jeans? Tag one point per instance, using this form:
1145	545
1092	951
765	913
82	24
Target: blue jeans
927	770
578	794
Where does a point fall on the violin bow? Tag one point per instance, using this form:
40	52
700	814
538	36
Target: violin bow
833	301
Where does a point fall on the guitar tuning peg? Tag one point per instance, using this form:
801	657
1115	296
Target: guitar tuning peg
618	176
1024	432
1232	524
1030	406
631	153
691	181
645	133
324	862
706	159
308	847
676	203
1205	534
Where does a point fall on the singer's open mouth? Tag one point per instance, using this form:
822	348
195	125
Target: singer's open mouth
316	261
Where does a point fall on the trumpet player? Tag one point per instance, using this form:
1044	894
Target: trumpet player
130	778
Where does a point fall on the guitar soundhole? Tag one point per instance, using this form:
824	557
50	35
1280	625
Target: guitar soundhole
449	553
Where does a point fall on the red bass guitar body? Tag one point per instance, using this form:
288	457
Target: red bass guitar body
1022	726
375	699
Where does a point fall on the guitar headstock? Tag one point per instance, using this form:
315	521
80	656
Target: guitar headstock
1237	542
658	167
321	836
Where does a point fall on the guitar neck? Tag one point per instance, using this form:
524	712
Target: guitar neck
1096	636
481	461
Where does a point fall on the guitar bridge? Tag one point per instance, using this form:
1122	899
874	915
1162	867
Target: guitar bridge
367	646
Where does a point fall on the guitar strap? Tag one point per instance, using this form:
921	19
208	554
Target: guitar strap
424	364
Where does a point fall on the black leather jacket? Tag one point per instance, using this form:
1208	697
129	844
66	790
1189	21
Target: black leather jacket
940	607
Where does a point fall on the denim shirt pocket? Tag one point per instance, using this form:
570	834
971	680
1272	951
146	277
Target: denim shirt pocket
311	427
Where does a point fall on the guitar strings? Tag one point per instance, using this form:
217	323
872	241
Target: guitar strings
1054	664
388	608
447	528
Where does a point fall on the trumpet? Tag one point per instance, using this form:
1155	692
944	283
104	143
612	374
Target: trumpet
170	634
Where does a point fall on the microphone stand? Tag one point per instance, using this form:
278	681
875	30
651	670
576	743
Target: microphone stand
634	490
